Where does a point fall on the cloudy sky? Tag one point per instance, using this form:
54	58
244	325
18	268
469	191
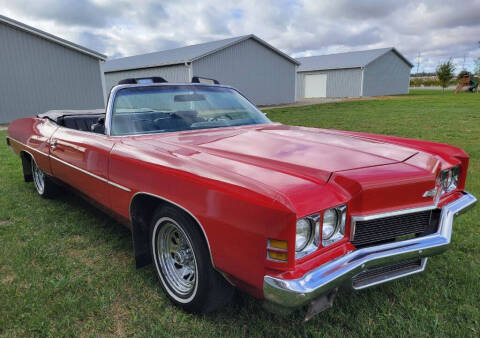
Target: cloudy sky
437	29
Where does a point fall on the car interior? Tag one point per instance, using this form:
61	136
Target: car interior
129	123
124	124
94	123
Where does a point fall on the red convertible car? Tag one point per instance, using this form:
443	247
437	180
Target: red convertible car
217	196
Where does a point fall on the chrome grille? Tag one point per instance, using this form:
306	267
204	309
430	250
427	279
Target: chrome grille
389	228
376	274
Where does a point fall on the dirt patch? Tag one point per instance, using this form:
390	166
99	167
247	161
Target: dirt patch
4	223
120	315
8	278
83	256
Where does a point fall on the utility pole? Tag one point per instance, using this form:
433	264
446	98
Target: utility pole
418	60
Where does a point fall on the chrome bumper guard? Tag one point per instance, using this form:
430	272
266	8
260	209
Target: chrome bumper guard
294	293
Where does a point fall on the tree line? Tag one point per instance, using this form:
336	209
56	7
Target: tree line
444	76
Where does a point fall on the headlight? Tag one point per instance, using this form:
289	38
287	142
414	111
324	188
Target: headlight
314	230
330	222
454	178
333	225
448	179
307	237
304	234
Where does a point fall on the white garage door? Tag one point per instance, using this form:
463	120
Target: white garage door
316	85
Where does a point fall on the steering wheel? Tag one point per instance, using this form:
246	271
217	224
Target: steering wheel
220	117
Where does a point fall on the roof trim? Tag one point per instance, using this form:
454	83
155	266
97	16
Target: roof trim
154	65
51	37
392	49
244	38
385	51
328	69
210	52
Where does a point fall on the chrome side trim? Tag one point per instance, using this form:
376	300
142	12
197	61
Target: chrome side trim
27	146
90	174
292	293
179	206
118	186
72	166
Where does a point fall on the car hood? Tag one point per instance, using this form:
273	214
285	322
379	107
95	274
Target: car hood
307	153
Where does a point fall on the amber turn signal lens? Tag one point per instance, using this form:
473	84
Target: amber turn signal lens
279	256
273	243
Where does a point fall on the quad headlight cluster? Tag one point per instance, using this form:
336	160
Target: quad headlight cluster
448	179
325	229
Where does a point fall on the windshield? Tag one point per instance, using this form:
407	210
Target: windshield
160	109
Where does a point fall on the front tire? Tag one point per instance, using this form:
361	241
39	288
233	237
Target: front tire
183	265
43	184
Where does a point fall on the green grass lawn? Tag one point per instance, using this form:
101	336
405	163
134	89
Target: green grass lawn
67	269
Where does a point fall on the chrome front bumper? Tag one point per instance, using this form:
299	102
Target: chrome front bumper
294	293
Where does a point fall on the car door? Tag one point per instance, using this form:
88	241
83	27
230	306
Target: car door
81	159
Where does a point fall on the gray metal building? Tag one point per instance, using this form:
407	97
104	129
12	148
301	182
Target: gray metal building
363	73
40	71
260	71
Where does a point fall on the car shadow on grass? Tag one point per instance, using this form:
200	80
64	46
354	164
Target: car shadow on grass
244	315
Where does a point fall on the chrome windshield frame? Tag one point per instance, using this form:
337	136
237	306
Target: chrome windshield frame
116	89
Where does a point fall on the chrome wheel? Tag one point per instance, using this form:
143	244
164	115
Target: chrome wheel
38	178
176	258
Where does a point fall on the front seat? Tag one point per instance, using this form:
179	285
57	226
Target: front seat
99	127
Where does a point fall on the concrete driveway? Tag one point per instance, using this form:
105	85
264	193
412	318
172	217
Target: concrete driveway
305	102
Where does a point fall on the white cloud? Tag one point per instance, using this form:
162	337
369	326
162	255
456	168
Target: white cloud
439	29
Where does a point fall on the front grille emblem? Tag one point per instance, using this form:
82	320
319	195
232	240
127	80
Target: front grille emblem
430	193
435	193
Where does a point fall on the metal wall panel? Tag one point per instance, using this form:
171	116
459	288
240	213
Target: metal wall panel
340	82
387	75
261	74
38	75
176	73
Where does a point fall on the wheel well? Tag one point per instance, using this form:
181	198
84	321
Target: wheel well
26	166
142	207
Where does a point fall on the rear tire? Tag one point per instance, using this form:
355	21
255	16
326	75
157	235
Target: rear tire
182	261
44	185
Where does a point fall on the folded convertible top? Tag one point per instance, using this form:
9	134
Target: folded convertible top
54	115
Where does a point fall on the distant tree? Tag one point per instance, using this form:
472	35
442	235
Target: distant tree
445	73
462	74
477	67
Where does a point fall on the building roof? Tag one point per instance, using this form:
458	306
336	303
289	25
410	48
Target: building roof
50	37
356	59
182	54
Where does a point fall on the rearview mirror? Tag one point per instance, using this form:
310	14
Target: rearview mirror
189	98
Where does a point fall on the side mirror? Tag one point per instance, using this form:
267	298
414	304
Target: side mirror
99	127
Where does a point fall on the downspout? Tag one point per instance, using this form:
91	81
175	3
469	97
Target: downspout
190	73
361	87
102	77
295	89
